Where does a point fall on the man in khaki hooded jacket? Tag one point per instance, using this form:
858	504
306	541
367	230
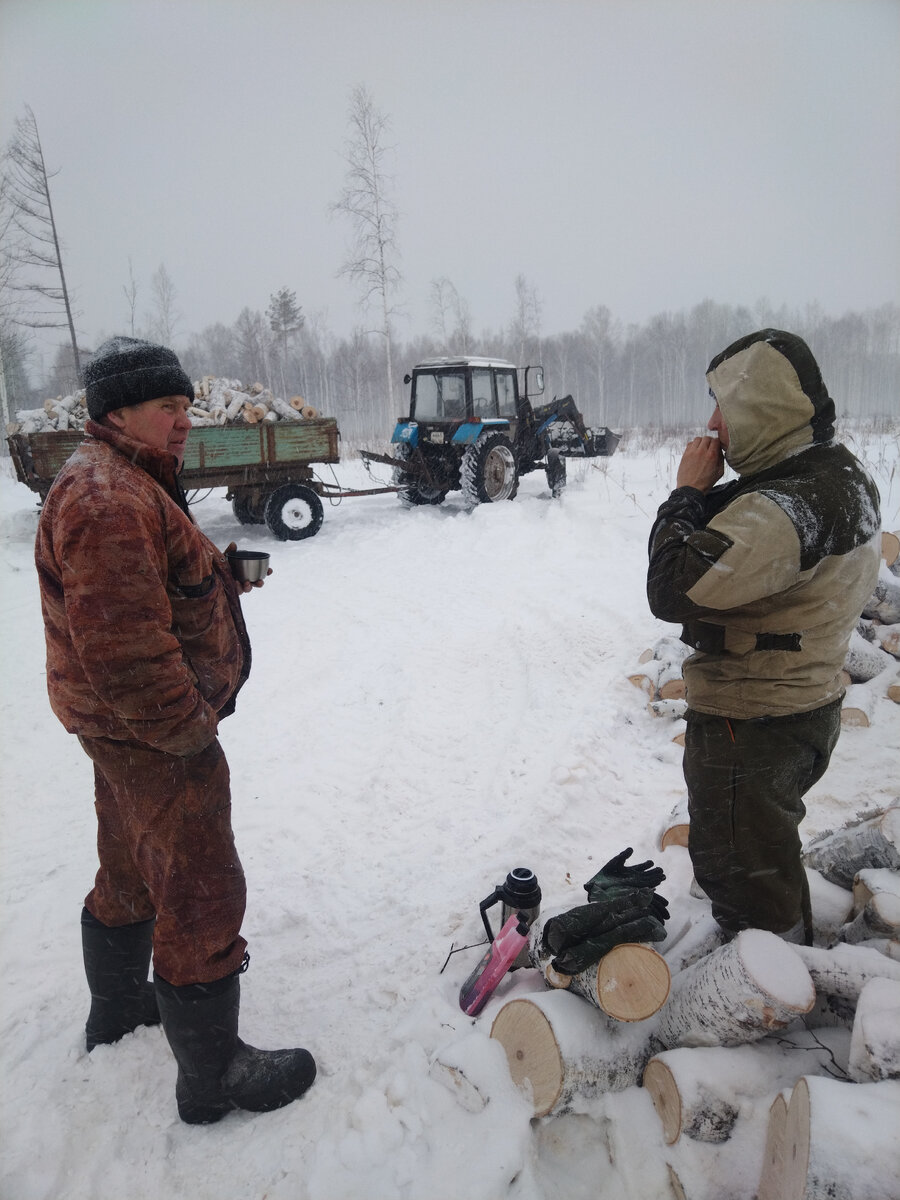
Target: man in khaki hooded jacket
768	575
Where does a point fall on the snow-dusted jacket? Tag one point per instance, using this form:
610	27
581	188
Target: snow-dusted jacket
768	573
145	638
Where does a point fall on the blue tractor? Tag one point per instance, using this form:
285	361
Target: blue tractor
473	426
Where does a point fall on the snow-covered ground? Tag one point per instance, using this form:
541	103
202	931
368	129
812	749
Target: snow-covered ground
437	697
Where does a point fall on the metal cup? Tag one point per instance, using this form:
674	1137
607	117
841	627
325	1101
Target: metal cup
248	566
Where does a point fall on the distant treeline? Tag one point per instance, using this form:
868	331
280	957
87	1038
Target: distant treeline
626	377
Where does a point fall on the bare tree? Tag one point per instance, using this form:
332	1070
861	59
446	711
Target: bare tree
366	200
450	316
164	318
32	237
525	331
131	289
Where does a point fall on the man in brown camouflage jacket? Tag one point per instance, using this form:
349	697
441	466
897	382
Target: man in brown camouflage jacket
768	575
146	652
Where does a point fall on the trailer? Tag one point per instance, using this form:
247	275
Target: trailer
267	469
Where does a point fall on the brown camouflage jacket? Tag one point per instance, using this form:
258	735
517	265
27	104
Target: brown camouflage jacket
145	638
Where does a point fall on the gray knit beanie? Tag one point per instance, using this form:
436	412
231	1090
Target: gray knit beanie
126	371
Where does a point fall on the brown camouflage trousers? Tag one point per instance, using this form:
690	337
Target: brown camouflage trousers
746	780
166	849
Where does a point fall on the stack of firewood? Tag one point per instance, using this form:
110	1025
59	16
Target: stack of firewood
216	402
720	1032
870	668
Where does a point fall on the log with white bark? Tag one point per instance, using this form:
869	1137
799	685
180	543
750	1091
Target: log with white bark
698	1091
285	410
832	906
890	549
703	935
862	699
668	709
559	1049
888	638
893	692
875	1038
884	603
839	976
675	830
630	983
872	841
773	1153
876	905
864	660
740	992
841	1141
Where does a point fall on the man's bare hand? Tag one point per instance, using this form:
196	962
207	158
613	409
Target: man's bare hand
702	464
246	587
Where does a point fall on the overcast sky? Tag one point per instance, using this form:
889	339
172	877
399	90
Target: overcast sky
641	154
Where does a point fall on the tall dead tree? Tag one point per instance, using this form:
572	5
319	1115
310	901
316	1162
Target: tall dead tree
366	199
33	239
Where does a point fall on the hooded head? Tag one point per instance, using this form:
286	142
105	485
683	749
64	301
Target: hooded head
126	371
772	398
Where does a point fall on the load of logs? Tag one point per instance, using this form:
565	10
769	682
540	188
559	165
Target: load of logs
799	1044
216	402
870	667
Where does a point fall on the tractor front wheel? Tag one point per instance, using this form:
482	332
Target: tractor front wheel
488	472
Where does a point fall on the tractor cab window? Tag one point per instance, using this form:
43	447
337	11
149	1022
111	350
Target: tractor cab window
506	393
440	397
483	402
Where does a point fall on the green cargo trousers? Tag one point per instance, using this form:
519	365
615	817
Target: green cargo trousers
746	780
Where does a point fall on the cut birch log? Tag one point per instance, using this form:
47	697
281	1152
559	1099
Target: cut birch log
841	1141
630	983
560	1048
675	830
864	660
832	906
890	548
773	1154
666	709
702	937
875	1038
888	638
309	412
738	993
893	692
297	403
698	1091
465	1069
841	973
873	841
861	700
285	410
876	900
884	603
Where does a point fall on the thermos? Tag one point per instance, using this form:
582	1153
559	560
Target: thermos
480	986
519	894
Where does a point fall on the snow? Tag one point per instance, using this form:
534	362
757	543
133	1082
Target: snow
437	697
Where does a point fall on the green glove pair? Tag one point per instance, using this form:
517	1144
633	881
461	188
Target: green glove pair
622	908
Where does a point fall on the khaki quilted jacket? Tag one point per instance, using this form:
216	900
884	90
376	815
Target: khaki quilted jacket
768	574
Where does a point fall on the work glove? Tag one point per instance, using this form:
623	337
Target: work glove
580	937
615	874
583	939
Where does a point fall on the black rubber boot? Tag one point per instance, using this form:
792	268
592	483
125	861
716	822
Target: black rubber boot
116	963
217	1072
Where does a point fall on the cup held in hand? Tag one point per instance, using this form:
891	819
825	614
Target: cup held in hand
248	566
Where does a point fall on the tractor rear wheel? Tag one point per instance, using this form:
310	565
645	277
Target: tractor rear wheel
488	472
294	511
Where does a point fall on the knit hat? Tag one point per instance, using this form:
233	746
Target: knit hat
126	371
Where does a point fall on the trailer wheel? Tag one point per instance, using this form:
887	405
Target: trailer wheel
248	508
556	473
294	511
488	472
